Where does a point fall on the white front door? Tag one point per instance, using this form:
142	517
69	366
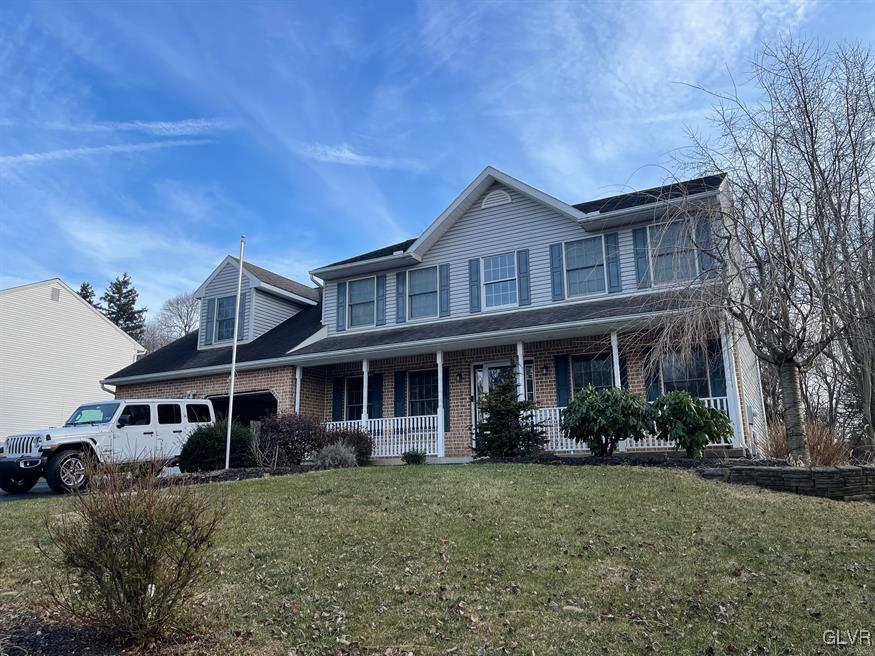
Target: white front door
485	376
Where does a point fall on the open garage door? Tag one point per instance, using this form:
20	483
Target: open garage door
249	406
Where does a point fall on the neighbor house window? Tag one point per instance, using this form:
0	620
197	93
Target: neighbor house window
686	373
499	280
362	297
595	370
585	266
673	253
354	398
422	392
225	317
422	291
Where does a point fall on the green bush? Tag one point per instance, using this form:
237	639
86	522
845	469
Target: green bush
360	441
413	457
507	427
689	423
603	417
205	448
285	440
336	456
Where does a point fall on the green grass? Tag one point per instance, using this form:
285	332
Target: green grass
529	559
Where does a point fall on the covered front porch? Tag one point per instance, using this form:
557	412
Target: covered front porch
427	401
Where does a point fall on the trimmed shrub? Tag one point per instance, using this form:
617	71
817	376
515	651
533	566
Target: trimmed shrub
336	456
205	448
286	440
129	553
602	418
507	427
413	457
689	423
360	441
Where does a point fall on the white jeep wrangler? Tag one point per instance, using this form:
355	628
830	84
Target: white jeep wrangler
123	431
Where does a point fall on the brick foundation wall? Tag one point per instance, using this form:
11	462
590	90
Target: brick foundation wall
842	482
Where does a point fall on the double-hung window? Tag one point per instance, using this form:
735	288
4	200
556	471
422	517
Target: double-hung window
362	302
499	280
422	393
690	373
673	253
585	266
595	370
354	398
225	317
422	291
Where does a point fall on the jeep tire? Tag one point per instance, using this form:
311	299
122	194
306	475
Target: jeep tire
18	482
66	472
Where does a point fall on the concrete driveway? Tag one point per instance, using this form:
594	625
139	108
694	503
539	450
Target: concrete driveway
41	489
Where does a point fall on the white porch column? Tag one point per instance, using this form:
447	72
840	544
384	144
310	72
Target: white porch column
440	406
727	347
299	371
615	353
365	367
520	372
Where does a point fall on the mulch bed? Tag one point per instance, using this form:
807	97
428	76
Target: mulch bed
246	473
26	632
663	460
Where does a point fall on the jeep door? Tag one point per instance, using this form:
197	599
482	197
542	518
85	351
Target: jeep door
134	434
171	430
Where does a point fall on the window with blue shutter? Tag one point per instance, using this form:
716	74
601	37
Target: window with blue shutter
446	375
563	380
422	293
523	283
474	285
612	253
705	244
341	306
444	289
642	258
557	273
211	317
716	370
375	396
337	400
400	394
381	300
401	297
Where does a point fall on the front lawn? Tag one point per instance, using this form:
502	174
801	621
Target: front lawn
515	559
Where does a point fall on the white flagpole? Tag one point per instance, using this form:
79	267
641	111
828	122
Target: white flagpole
234	355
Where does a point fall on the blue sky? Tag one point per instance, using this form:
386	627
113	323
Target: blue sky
146	138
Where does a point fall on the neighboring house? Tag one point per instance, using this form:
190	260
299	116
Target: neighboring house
54	349
405	339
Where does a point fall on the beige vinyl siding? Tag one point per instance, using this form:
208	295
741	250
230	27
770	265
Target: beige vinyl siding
749	374
270	311
53	355
224	284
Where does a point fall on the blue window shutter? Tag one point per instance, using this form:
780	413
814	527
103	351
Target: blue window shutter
612	251
704	240
337	400
444	289
716	372
241	317
381	300
522	277
563	380
401	297
341	307
400	393
474	284
446	375
642	261
557	272
211	319
375	396
652	383
624	373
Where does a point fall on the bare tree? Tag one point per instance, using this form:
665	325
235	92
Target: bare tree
180	314
155	336
795	223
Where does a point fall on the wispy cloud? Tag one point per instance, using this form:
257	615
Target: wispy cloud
345	154
187	127
11	161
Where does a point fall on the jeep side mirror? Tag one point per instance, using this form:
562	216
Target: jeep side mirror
123	421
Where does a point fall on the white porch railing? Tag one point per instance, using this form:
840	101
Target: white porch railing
552	424
395	435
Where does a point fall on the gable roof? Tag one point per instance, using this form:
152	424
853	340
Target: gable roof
182	356
674	190
61	283
380	252
259	277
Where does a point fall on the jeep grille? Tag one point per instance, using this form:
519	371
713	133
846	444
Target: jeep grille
20	445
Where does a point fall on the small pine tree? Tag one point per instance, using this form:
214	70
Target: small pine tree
120	303
87	292
506	427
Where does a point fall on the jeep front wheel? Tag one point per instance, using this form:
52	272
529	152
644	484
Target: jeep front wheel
66	472
18	482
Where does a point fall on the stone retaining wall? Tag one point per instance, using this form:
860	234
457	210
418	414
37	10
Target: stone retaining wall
842	482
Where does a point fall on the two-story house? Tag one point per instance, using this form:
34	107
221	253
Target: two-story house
404	340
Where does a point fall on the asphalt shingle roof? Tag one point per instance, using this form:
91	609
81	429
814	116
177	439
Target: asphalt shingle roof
183	353
380	252
281	282
653	195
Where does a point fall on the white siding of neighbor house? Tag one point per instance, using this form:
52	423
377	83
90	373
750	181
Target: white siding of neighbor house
749	374
225	284
269	311
53	355
522	223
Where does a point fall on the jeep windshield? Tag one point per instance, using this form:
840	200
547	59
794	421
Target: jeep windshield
93	413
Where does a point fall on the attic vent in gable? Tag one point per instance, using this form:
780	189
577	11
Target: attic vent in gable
55	294
494	198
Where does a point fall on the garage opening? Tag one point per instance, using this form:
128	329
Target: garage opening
249	406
